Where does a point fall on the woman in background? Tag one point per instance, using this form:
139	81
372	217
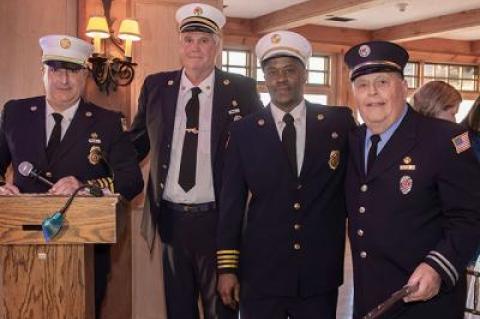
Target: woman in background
472	122
437	99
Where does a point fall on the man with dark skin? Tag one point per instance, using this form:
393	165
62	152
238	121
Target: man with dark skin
273	260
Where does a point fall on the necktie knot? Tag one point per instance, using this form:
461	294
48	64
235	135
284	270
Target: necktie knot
57	117
196	91
288	118
375	139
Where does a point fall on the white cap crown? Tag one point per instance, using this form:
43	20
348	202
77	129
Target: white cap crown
200	17
283	43
65	48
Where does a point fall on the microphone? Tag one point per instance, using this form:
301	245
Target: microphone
26	169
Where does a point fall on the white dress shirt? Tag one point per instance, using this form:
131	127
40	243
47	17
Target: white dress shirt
299	114
203	191
68	115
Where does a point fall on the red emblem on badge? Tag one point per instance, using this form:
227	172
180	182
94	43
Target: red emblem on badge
406	184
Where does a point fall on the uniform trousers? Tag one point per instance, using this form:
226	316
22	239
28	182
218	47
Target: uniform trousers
322	306
189	264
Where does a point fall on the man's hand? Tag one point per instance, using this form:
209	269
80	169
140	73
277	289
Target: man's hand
65	186
229	289
9	189
428	281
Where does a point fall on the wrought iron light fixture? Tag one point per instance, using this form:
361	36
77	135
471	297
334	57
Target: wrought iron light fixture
109	72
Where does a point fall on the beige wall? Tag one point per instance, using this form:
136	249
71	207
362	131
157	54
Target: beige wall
22	23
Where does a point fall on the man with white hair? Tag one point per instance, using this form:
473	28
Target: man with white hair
183	121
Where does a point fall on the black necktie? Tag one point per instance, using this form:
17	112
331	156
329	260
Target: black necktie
188	163
372	153
55	137
289	141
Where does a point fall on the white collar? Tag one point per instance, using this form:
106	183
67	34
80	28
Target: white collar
297	113
206	85
68	114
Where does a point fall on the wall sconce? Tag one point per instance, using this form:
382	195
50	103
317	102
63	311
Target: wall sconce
110	72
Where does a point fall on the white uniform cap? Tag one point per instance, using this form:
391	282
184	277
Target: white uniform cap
64	48
283	43
200	17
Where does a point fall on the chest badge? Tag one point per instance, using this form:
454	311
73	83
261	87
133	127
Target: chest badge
334	159
406	184
94	138
407	164
95	155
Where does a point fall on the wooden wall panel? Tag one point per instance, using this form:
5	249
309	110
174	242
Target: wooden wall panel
23	22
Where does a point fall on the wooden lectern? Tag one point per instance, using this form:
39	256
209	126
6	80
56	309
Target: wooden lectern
53	280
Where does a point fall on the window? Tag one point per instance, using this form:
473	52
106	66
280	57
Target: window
411	75
463	110
463	77
236	61
319	70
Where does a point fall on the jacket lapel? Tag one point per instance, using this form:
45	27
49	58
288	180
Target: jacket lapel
272	135
222	98
399	144
168	105
312	128
357	142
37	123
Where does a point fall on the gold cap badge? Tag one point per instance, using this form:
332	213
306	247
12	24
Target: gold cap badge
65	43
197	11
276	38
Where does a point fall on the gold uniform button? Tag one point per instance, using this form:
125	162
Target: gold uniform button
360	232
162	186
299	186
297	226
297	247
297	206
363	254
364	188
48	174
164	166
361	210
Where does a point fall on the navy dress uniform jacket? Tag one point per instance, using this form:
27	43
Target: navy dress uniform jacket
291	239
234	96
23	138
420	203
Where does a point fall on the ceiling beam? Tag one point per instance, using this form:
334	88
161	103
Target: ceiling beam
429	27
303	13
333	35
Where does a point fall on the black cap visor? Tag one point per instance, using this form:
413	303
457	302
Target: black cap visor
369	69
64	65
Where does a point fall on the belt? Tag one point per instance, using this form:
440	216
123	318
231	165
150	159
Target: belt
190	208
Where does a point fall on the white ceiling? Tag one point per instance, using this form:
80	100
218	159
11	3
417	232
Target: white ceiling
380	16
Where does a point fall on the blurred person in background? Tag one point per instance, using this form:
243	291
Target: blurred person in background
437	99
472	122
